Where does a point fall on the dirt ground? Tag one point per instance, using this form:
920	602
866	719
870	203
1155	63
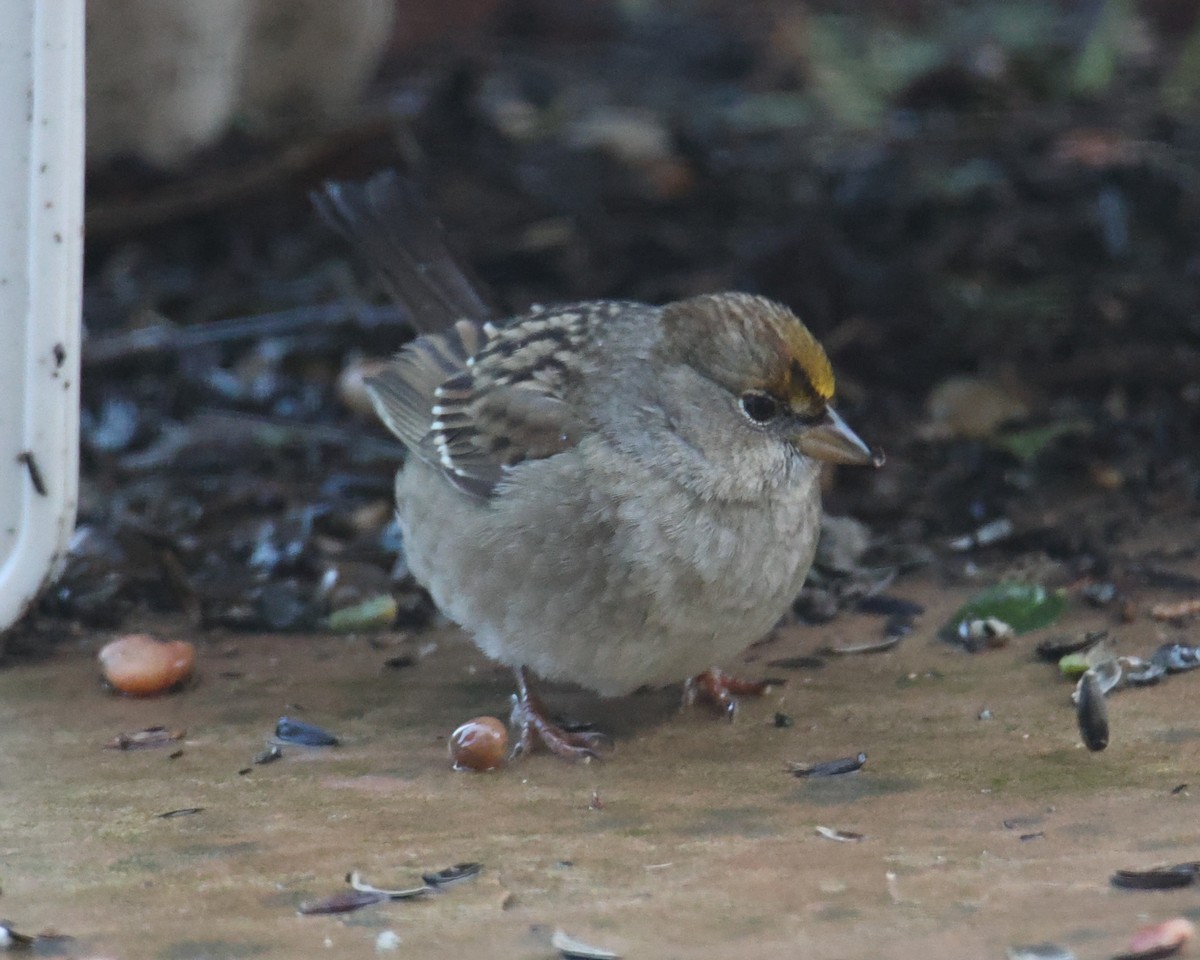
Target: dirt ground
692	840
986	212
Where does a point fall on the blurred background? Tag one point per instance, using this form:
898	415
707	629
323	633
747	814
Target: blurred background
987	212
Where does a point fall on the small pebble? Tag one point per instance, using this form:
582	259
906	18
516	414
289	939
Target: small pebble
141	666
479	744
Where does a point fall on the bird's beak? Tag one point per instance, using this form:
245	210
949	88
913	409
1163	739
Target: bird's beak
833	441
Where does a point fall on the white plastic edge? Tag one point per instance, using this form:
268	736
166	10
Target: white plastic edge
41	251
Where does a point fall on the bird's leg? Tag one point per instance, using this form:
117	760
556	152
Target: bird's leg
721	690
534	723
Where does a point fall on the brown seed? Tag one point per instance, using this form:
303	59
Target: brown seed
479	744
142	666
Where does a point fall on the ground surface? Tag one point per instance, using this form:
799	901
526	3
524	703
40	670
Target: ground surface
985	212
704	846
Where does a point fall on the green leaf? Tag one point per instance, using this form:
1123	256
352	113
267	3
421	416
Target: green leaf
378	613
1097	63
1022	606
1025	445
856	71
1181	86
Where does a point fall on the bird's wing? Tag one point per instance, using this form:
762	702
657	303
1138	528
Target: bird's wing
468	397
477	400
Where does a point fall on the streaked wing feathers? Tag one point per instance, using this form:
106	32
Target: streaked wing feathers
403	391
478	400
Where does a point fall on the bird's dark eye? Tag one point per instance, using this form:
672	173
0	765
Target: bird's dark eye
759	407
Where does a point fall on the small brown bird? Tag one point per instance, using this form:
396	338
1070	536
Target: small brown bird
605	492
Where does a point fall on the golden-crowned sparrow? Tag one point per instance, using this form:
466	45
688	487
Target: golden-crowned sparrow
606	492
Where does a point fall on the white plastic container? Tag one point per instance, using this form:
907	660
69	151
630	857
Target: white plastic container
41	251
